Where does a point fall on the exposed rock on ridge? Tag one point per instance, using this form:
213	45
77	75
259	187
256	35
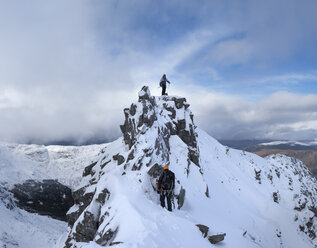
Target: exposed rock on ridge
148	127
178	120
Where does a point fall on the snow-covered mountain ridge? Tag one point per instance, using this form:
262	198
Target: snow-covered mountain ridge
21	164
290	143
257	202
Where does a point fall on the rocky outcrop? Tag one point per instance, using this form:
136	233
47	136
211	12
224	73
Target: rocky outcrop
155	171
276	197
204	229
148	127
107	237
180	198
117	191
304	195
7	241
213	239
119	158
81	199
178	121
47	197
88	169
6	198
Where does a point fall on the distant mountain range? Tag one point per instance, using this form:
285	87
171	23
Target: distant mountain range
258	145
305	151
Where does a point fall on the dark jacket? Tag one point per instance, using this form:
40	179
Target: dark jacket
163	81
166	181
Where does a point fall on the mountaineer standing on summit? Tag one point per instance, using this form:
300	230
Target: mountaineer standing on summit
163	84
165	186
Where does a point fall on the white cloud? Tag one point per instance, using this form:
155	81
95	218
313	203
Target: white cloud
281	115
233	52
69	68
290	78
53	72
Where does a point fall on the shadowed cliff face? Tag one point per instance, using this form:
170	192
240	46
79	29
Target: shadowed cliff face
47	197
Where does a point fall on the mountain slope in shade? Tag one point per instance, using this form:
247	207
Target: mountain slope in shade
256	202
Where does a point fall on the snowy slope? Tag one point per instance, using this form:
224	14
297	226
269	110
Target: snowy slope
260	196
19	228
64	163
18	163
257	202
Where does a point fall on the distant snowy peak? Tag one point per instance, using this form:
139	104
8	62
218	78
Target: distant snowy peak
289	143
19	162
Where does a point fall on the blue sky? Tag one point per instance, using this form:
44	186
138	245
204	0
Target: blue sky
248	68
240	45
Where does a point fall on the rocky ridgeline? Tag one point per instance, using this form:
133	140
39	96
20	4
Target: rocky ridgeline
161	129
178	120
145	146
301	185
291	183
